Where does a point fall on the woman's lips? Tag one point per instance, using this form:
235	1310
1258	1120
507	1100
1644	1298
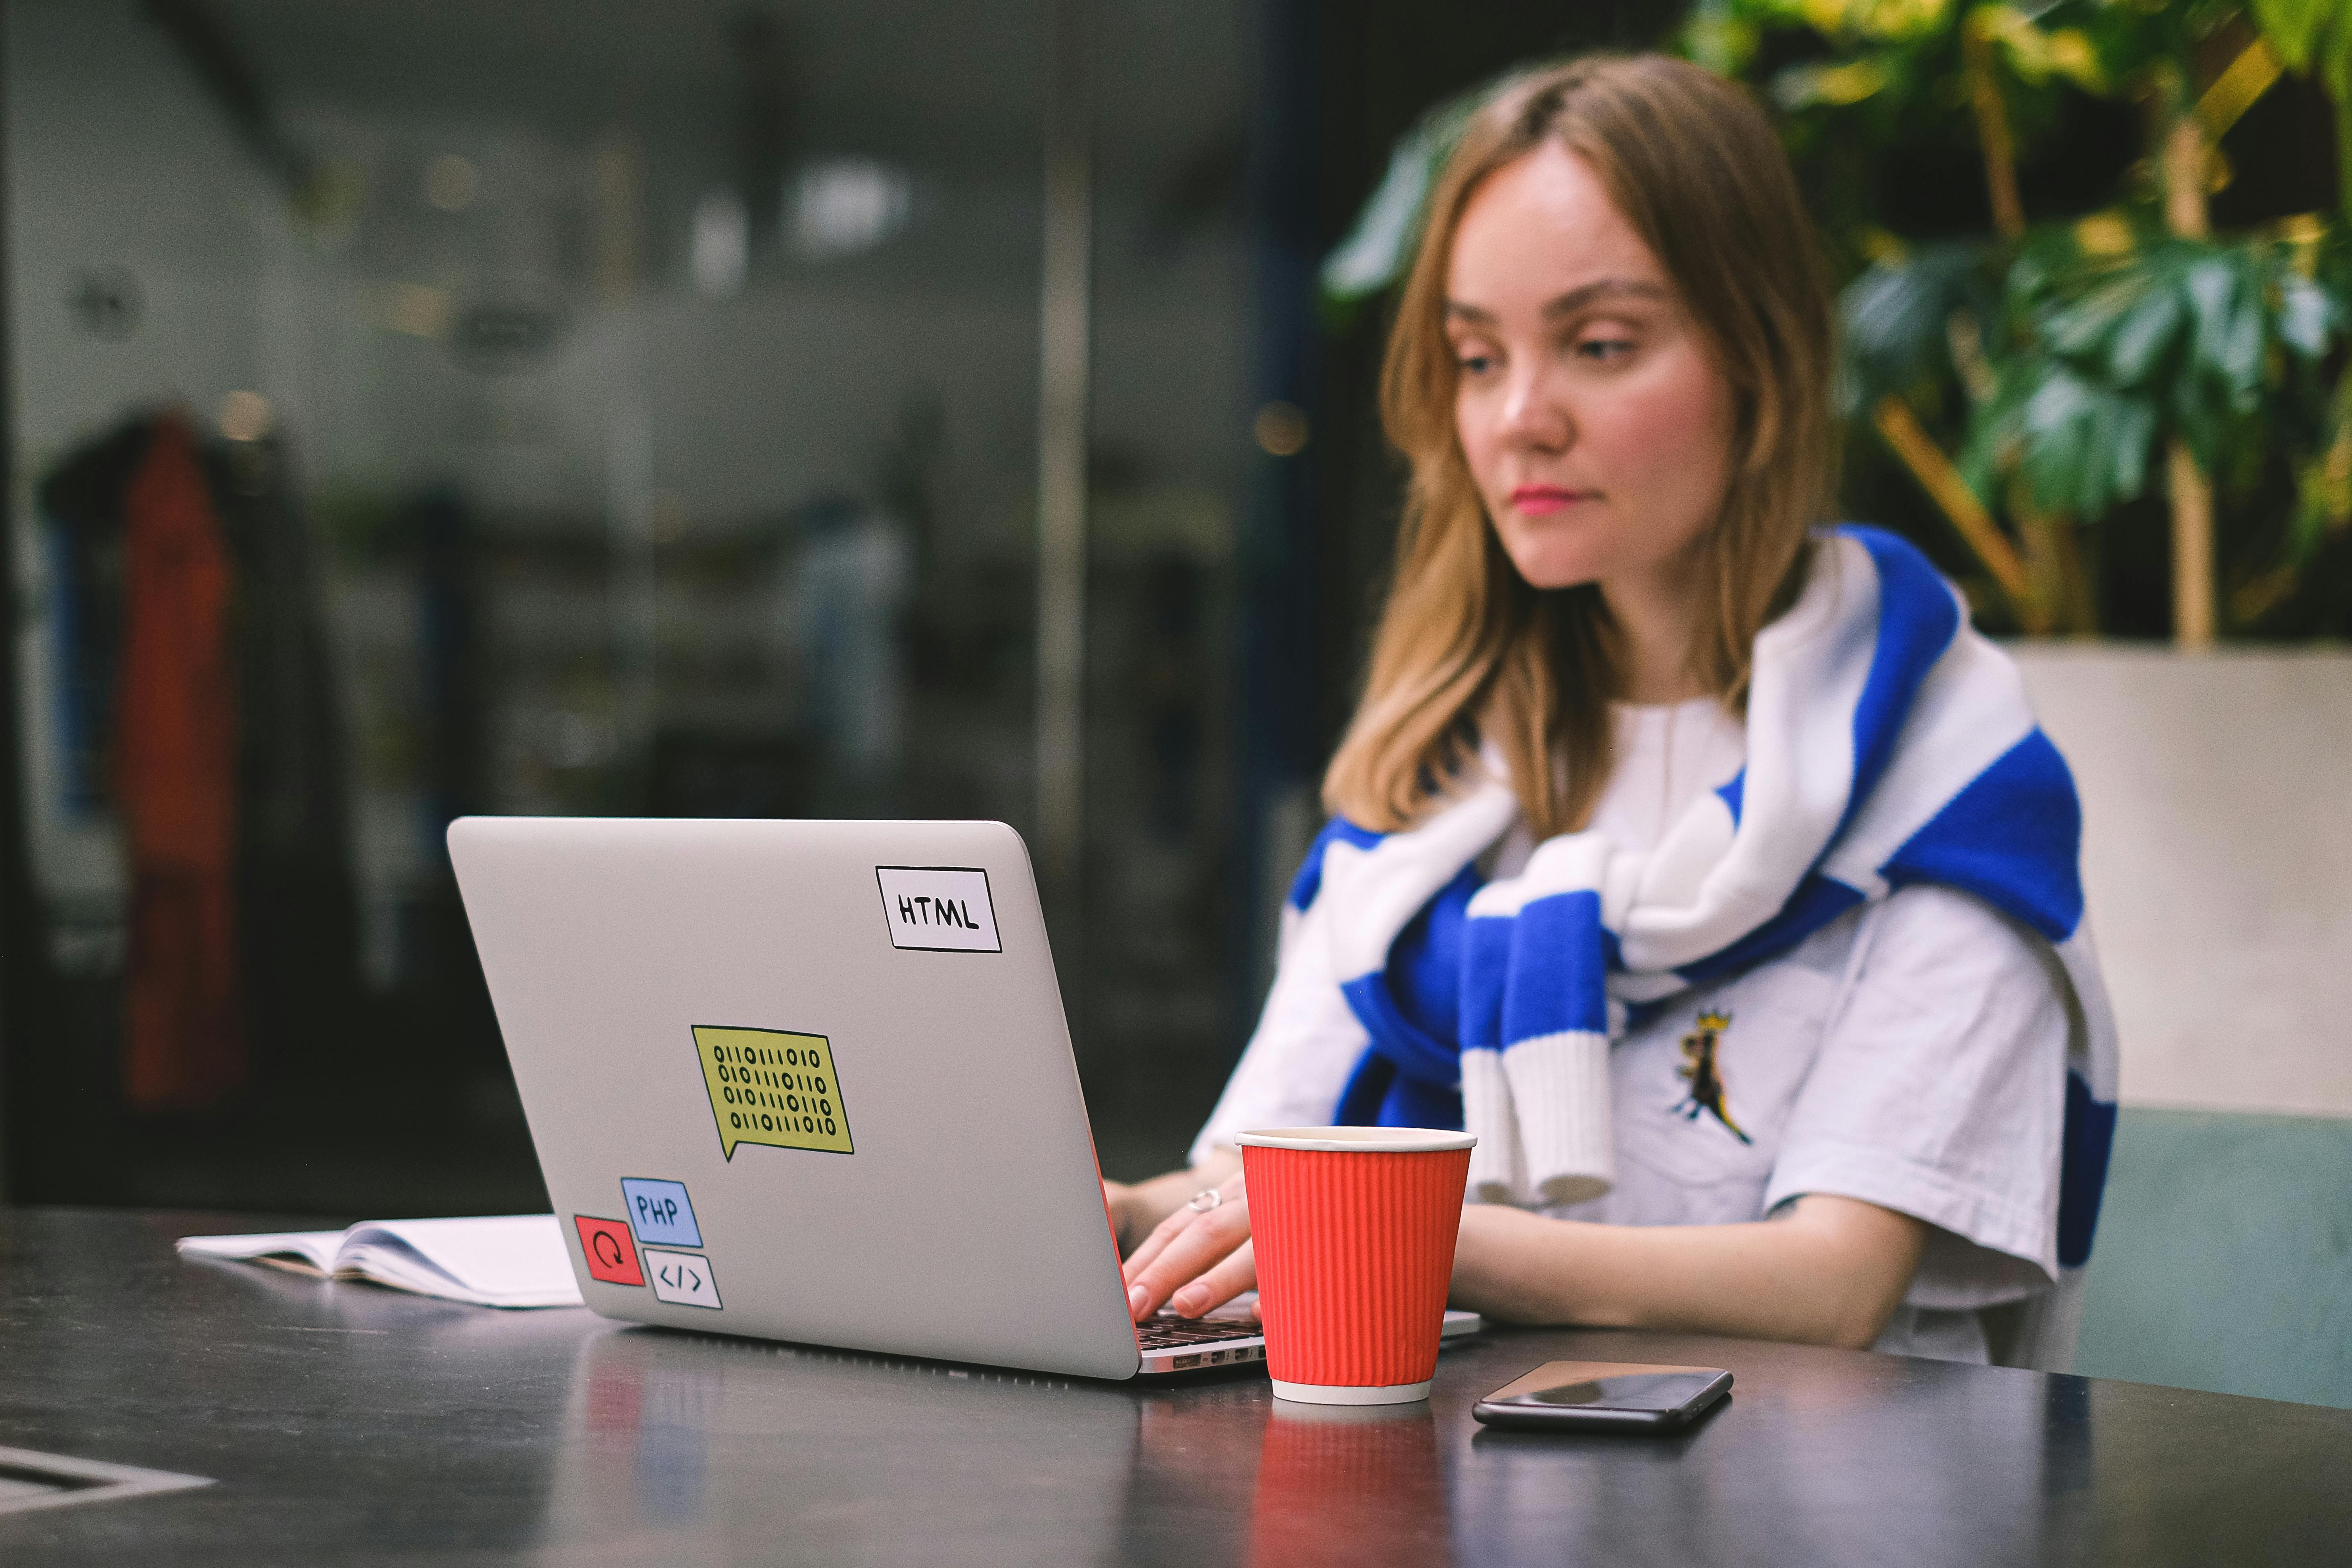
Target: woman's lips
1540	500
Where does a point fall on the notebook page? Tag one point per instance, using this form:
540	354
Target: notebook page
315	1248
507	1260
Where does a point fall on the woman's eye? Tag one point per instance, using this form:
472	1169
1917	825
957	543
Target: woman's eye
1604	351
1475	364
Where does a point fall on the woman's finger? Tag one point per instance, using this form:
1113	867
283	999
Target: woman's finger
1167	1229
1186	1256
1183	1251
1220	1285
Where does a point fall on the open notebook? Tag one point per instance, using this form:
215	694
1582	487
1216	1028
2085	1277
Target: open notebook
509	1260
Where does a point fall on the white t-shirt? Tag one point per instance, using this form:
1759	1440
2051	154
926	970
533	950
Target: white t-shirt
1911	1054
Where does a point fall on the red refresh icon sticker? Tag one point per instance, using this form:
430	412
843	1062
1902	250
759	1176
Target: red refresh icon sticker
611	1256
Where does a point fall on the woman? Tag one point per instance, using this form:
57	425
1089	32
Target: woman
1701	861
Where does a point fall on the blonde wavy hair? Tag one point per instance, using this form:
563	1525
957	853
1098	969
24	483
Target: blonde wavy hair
1466	652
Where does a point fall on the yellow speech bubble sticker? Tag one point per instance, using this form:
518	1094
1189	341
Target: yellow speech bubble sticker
773	1088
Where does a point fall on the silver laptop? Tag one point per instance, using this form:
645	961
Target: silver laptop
812	1081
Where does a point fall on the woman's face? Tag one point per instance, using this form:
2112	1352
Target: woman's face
1596	423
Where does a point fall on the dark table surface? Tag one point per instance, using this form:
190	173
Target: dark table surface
349	1425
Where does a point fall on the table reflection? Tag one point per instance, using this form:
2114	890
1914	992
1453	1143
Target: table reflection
1875	1459
1350	1484
673	1443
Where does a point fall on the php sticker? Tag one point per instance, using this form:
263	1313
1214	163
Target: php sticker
611	1257
660	1211
770	1087
683	1279
938	908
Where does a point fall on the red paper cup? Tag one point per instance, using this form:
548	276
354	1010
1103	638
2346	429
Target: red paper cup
1354	1229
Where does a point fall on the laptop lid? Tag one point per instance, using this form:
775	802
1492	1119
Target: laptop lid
803	1080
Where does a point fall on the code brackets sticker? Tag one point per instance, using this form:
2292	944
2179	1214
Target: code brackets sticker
682	1278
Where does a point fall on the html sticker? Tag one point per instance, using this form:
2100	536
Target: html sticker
938	908
611	1257
773	1088
683	1279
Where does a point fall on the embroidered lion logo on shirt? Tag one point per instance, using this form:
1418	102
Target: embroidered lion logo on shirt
1704	1075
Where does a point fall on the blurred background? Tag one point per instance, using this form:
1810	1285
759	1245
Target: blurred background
740	409
601	407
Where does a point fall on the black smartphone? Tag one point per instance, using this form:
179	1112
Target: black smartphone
1605	1396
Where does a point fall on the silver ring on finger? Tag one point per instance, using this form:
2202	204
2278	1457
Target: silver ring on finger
1205	1199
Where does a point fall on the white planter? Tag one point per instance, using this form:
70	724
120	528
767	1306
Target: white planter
2217	794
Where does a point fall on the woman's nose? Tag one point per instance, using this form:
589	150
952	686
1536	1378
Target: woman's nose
1534	415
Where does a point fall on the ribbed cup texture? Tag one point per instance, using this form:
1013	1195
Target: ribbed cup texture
1354	1254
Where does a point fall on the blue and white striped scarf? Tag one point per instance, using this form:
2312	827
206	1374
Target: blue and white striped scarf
1887	743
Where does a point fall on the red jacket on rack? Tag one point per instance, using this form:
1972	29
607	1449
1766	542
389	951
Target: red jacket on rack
176	751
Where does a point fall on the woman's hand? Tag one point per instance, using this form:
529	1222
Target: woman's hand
1197	1259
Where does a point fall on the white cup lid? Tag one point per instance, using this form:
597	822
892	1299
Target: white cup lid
1355	1140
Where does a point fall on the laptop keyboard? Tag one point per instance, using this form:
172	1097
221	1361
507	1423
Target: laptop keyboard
1165	1333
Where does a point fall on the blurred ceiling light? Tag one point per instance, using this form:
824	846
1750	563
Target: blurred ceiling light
840	207
451	183
1281	429
722	243
416	310
244	416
